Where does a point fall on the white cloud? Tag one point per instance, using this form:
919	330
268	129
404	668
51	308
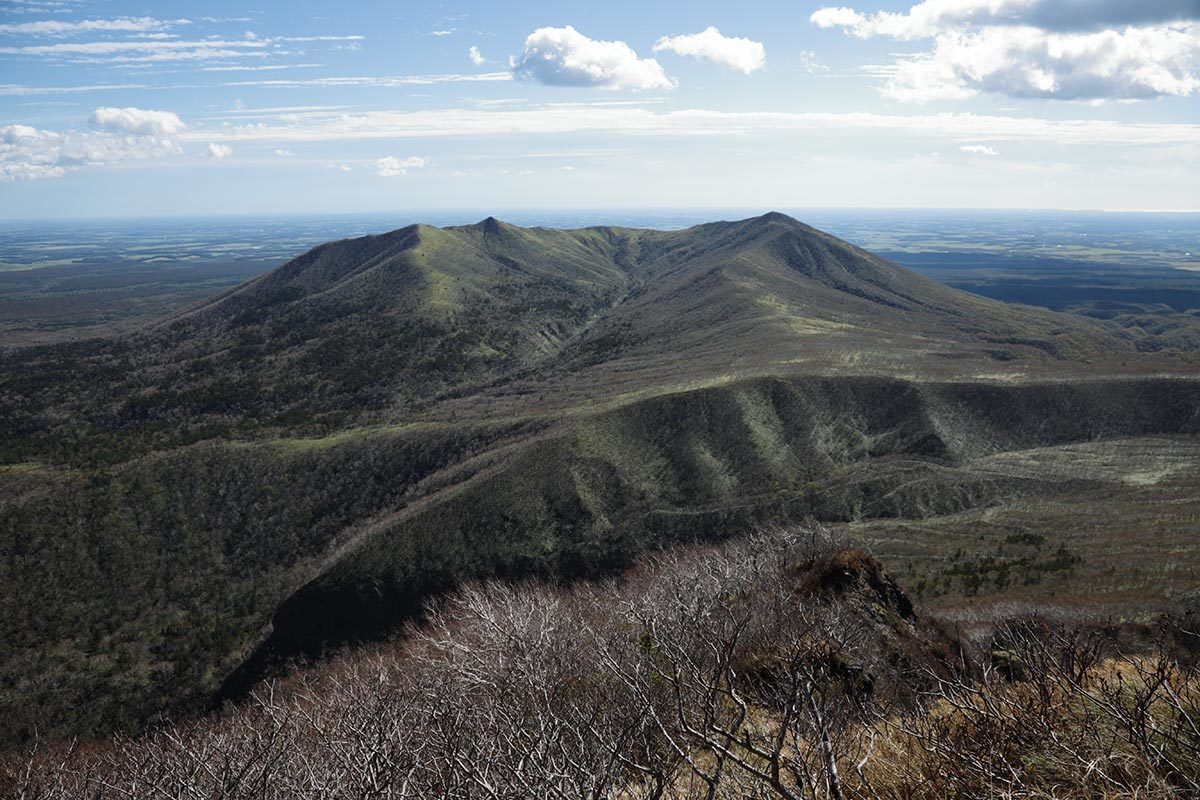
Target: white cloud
838	17
1134	64
392	167
931	17
284	153
218	151
257	67
145	50
378	82
354	37
808	59
744	55
18	90
1059	49
138	121
441	33
158	47
53	27
28	153
979	150
641	121
476	57
565	57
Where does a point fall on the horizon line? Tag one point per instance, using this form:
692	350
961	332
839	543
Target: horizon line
752	210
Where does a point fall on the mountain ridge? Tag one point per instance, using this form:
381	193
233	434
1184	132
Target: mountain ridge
300	461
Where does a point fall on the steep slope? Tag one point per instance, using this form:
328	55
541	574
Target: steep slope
299	461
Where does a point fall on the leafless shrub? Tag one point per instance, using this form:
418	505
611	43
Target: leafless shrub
781	666
1055	712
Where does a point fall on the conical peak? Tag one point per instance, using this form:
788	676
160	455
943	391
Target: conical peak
776	216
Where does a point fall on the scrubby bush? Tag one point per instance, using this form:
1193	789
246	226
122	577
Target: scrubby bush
785	666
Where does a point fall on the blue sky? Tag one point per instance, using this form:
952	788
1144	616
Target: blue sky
111	108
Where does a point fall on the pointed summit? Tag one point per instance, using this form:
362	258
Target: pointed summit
491	226
776	216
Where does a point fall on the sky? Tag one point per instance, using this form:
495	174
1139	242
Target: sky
112	108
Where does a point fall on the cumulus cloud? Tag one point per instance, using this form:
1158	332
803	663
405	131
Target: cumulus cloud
744	55
979	150
1062	49
565	57
392	167
476	57
218	151
932	17
1134	64
28	153
137	121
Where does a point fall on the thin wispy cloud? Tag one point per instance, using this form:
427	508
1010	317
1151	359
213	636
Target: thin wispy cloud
147	49
54	27
632	121
18	90
144	49
258	67
811	63
375	81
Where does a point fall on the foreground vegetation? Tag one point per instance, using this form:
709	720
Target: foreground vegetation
782	666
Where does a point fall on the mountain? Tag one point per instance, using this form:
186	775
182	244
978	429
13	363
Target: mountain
298	462
374	327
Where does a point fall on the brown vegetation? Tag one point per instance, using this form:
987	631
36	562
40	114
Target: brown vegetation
777	667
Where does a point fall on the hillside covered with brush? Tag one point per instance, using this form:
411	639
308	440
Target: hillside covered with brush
782	665
300	462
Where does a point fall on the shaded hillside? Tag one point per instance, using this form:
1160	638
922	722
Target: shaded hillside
316	542
299	462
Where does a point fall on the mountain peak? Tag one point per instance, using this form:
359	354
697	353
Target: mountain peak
491	225
772	222
776	216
